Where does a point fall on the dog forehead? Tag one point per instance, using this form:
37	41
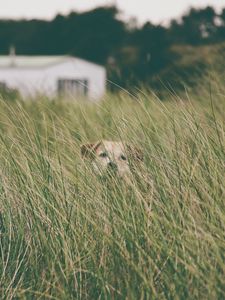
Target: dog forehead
111	147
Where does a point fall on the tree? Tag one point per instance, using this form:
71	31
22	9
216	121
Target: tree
92	35
221	27
197	27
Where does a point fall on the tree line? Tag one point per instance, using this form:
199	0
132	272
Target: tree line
130	52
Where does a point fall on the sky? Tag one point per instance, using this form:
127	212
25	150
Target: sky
156	11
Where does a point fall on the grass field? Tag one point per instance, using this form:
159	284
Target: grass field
165	236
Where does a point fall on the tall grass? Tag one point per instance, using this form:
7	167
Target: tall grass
66	234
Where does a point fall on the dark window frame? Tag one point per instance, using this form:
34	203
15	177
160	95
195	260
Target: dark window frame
72	87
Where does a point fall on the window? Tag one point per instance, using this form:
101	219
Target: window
73	87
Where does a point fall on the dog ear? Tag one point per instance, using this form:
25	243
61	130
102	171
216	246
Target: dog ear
88	150
135	152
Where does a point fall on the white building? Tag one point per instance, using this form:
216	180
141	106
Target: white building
52	76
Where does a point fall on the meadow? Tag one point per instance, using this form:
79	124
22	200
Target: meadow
165	236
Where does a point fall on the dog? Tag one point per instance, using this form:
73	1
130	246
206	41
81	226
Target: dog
111	157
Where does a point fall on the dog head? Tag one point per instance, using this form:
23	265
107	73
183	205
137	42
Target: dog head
111	157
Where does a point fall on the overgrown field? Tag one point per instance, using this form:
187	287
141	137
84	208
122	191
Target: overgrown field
66	234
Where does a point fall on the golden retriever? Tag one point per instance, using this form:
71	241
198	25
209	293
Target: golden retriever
111	157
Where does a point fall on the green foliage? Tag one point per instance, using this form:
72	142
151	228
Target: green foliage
91	35
8	94
197	27
67	234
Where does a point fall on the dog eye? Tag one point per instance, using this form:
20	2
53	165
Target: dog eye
123	157
103	154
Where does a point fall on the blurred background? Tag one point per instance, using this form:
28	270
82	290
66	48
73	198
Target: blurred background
143	42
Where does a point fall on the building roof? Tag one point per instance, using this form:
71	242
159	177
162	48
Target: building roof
21	61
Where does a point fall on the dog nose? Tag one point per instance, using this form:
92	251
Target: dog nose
112	166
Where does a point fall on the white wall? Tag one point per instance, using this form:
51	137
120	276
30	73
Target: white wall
30	81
